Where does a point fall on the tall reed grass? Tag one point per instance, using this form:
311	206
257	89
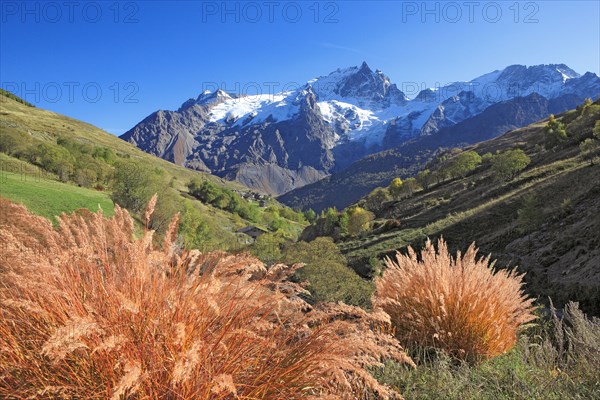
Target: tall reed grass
89	311
460	305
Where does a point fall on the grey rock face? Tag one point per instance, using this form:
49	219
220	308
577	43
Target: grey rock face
347	186
291	139
368	85
271	156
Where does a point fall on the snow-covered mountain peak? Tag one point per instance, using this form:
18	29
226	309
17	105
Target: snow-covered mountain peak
545	79
276	142
208	97
538	72
359	103
359	86
566	72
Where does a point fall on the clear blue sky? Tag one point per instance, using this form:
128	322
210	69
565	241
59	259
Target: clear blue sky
158	54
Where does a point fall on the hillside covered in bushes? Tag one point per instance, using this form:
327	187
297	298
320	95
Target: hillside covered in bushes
530	198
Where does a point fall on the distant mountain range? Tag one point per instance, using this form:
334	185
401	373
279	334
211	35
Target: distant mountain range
281	142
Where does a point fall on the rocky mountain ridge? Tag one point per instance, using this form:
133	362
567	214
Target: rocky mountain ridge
279	142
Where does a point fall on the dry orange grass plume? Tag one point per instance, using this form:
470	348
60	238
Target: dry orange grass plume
87	311
457	304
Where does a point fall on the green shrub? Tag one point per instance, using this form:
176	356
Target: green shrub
588	149
134	184
326	271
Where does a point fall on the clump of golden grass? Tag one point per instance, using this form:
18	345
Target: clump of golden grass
459	305
88	311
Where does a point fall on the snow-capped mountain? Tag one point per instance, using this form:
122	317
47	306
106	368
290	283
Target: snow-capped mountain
277	142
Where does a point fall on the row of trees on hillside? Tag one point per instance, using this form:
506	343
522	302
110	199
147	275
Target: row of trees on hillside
223	198
274	216
85	164
572	129
504	166
132	182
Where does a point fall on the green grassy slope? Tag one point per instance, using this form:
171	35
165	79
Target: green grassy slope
20	123
47	125
44	195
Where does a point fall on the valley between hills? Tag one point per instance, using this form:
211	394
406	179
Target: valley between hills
528	197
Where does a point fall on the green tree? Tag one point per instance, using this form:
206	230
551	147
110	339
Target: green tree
530	215
596	130
134	184
327	274
359	220
555	133
85	177
249	211
64	170
425	178
395	188
464	163
105	154
205	191
222	198
506	165
487	158
52	158
310	215
193	228
319	250
167	205
438	176
343	223
588	149
586	103
267	247
331	219
292	215
375	199
411	185
277	223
